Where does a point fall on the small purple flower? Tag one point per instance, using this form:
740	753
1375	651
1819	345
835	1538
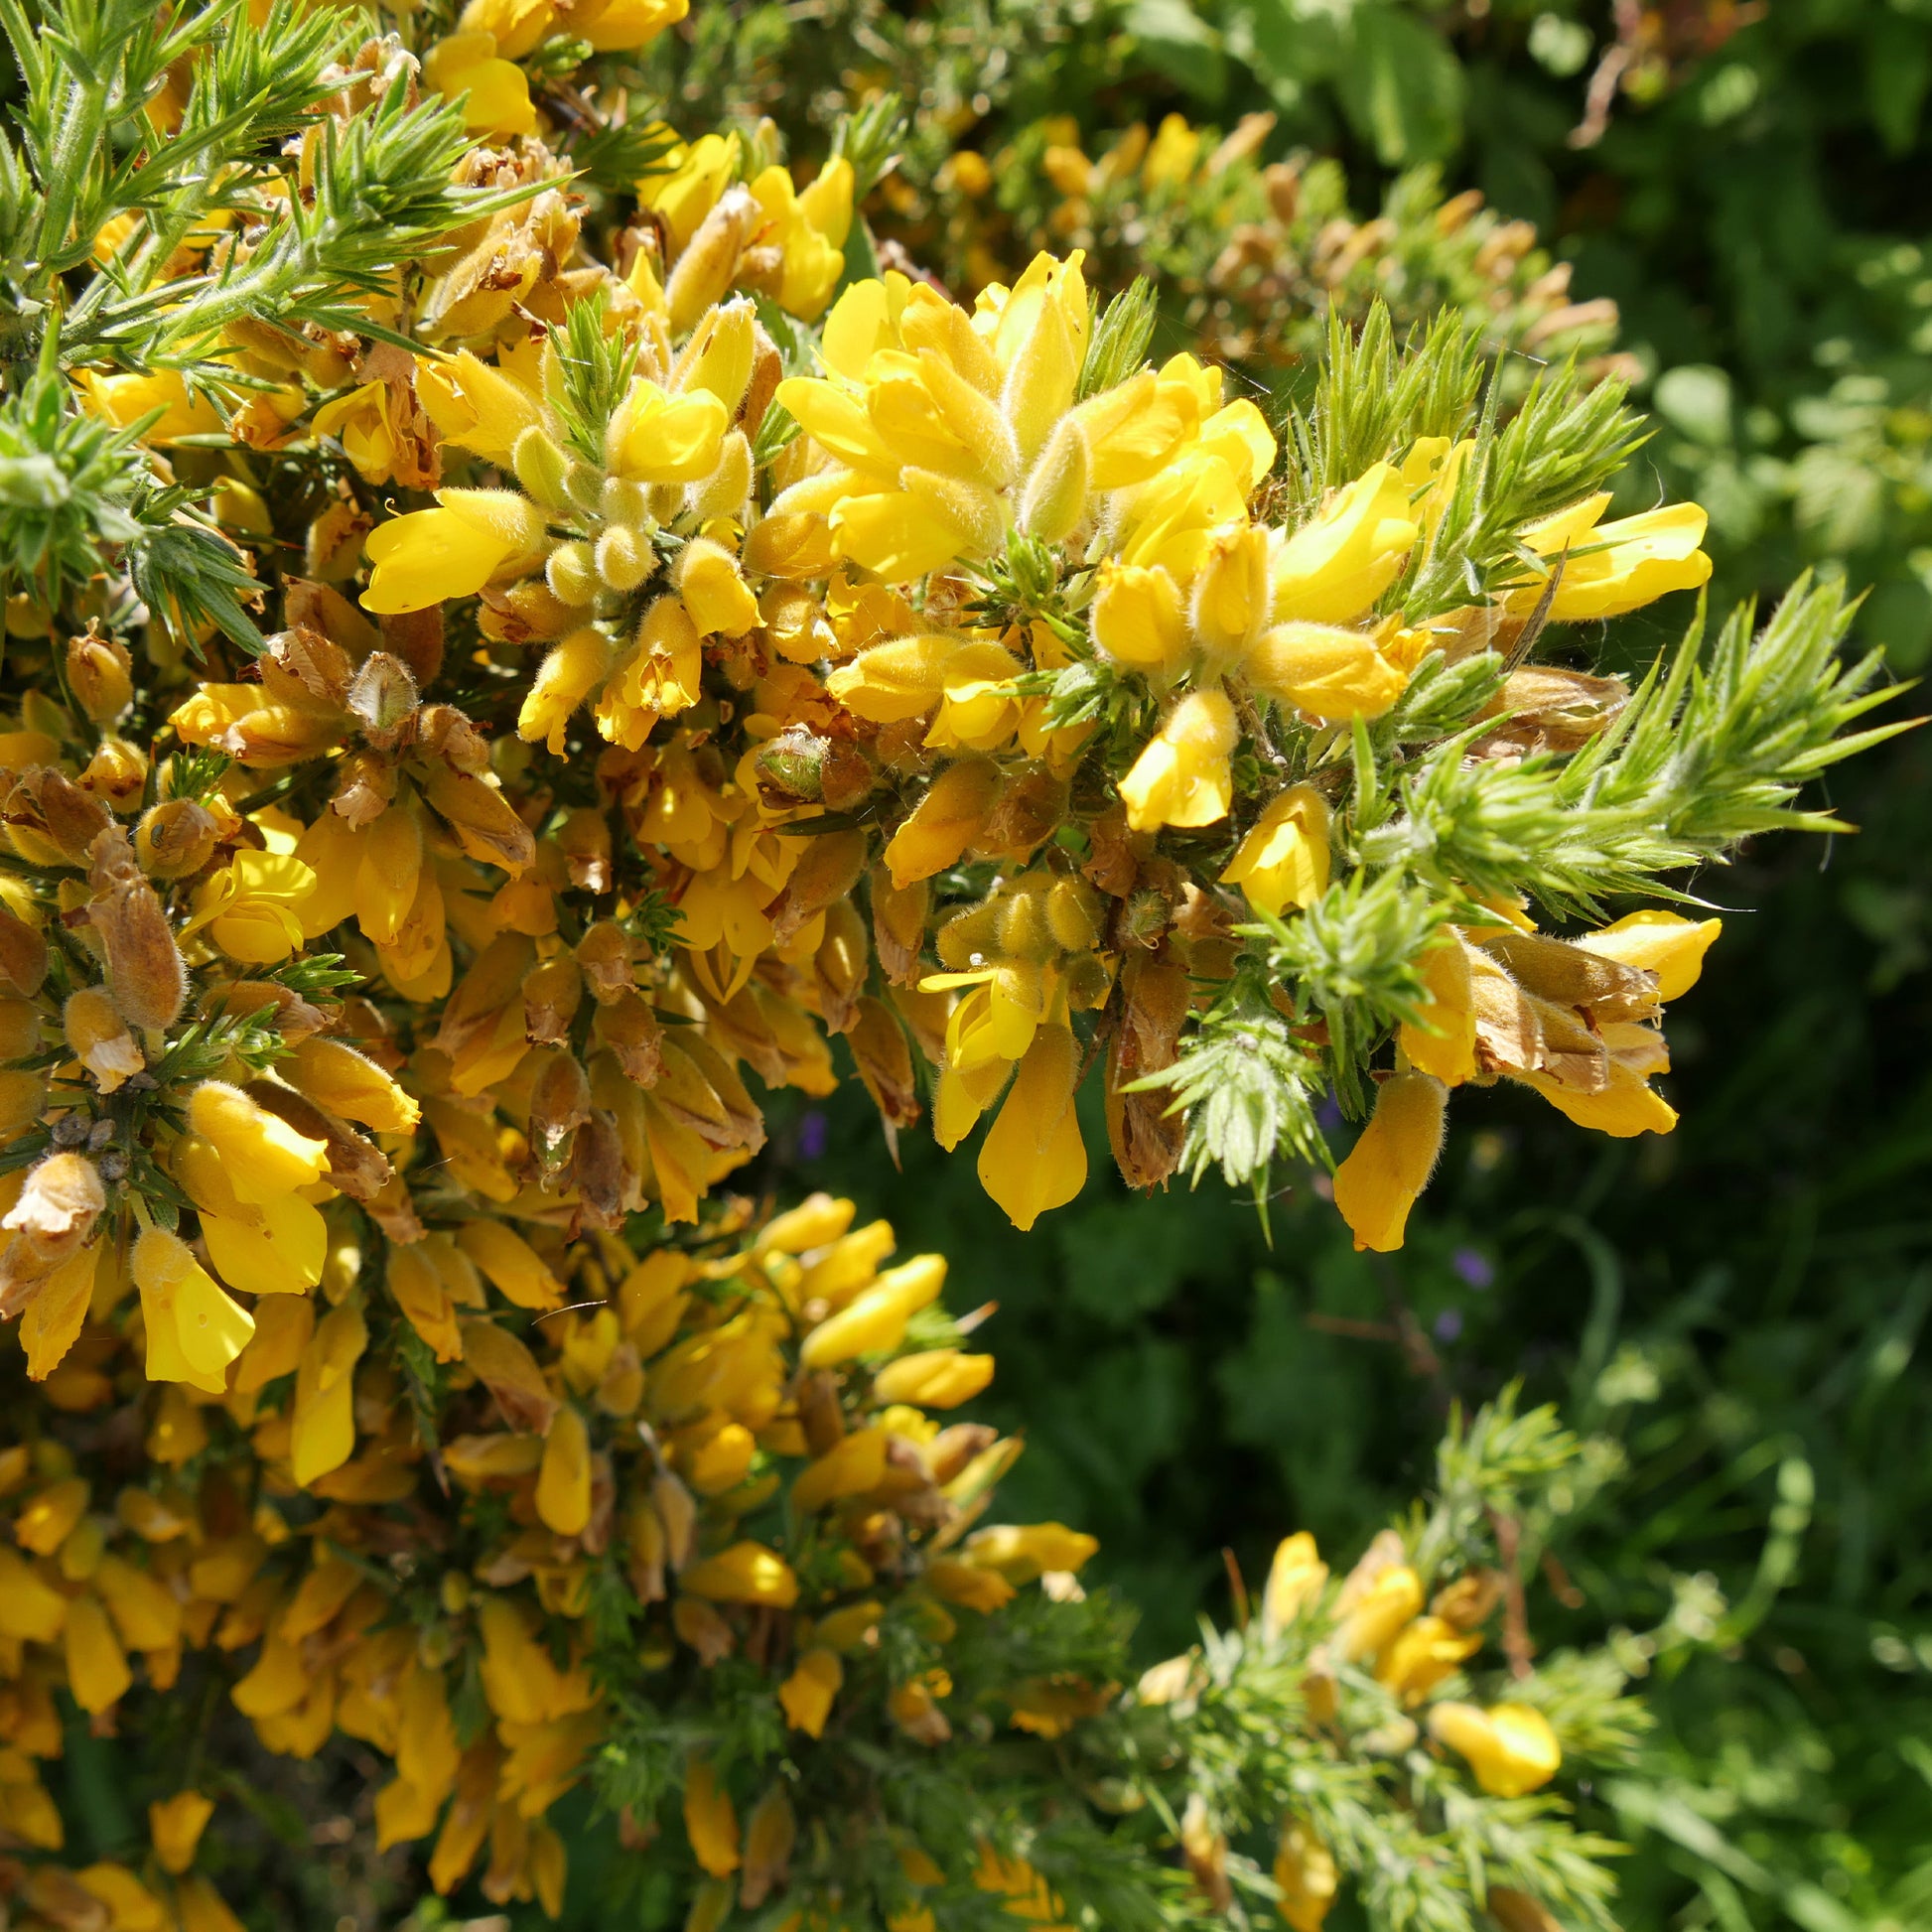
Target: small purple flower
1475	1268
1327	1116
814	1136
1449	1325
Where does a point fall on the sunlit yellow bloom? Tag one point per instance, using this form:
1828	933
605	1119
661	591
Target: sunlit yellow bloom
936	1379
263	1157
564	1479
125	399
619	25
1611	568
807	1693
1328	673
1182	777
323	1435
194	1331
251	907
1391	1597
875	1321
656	437
1340	560
453	551
494	93
1296	1579
1033	1157
1510	1746
1137	617
747	1573
475	404
1665	943
1390	1164
1284	859
1022	1552
1421	1654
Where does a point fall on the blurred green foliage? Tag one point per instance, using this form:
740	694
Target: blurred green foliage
1745	1303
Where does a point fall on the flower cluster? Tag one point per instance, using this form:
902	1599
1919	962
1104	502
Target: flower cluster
1250	256
519	642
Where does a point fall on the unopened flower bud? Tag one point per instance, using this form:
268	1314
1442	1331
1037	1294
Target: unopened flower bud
623	499
571	573
1055	497
101	676
542	468
623	559
145	970
176	838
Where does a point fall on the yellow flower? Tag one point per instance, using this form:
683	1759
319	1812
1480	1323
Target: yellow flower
874	1321
98	1039
936	1379
710	1823
656	437
516	25
1390	1164
1347	554
1182	777
1510	1746
1296	1579
194	1331
688	186
807	1693
323	1433
97	1671
264	1157
1665	943
174	1827
251	907
336	1077
620	26
1137	617
1617	567
563	1498
453	551
747	1573
1331	674
367	423
1391	1597
1284	859
272	1247
475	404
1306	1877
494	93
944	823
1022	1552
1421	1654
125	399
1033	1157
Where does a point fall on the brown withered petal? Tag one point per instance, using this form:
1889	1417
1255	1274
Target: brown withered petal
828	870
884	1062
443	731
1549	709
23	955
551	996
357	1164
629	1027
603	953
176	838
584	839
1147	1140
1031	809
46	803
560	1103
293	1017
315	665
416	636
323	610
899	926
839	965
600	1175
364	789
481	817
1566	974
58	1207
146	975
508	1369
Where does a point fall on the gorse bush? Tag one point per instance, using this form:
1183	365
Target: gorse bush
515	642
